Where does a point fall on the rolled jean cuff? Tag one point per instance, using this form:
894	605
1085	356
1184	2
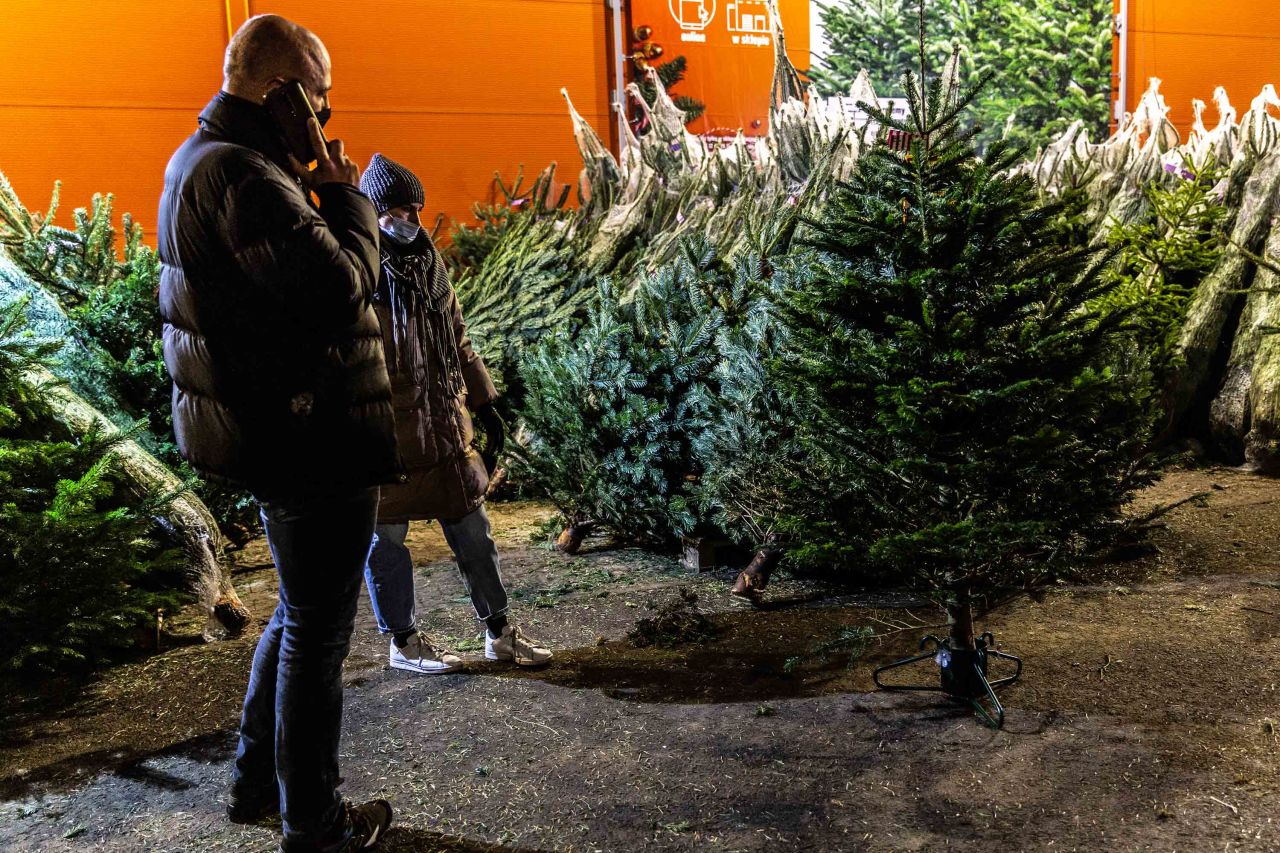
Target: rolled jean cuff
501	612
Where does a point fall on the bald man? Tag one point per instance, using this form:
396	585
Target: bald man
280	387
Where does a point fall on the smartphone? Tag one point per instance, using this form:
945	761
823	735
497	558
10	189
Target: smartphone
291	109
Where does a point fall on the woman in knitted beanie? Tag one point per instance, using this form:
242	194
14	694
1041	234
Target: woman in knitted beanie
435	377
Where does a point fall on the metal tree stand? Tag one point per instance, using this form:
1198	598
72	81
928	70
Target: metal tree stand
962	674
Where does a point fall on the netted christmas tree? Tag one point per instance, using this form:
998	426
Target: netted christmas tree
469	245
967	430
537	264
670	74
1158	265
78	574
529	283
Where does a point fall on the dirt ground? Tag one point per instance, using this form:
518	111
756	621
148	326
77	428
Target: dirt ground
1146	718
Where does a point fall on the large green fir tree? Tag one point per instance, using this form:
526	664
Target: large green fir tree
878	35
965	430
1052	57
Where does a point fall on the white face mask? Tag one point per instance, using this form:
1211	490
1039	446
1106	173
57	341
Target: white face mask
401	231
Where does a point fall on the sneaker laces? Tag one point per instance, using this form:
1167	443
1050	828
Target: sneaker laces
519	638
429	645
357	820
362	823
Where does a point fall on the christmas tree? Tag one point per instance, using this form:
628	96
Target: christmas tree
530	281
748	440
469	245
876	35
670	74
530	271
747	446
1053	58
106	310
965	426
80	576
609	411
1159	263
102	314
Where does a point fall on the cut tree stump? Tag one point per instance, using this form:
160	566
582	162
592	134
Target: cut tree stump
186	519
570	539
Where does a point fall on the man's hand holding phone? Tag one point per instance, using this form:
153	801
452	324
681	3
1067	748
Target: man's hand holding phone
333	166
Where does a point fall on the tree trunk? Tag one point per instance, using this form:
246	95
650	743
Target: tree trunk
497	483
1217	299
960	618
1262	418
1229	415
186	519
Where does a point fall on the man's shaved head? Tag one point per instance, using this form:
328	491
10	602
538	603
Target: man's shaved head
269	49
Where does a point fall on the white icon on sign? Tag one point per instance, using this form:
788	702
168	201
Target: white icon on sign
748	16
693	14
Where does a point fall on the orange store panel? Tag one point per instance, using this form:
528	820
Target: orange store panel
1217	17
91	149
99	94
1194	47
730	50
1219	61
77	53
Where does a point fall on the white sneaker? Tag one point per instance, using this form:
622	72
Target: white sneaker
514	646
421	655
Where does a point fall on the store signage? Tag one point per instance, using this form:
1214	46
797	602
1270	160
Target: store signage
693	16
729	48
746	21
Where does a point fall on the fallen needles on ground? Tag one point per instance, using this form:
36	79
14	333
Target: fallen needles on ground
851	640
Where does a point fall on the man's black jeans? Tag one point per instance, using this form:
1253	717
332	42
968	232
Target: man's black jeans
293	709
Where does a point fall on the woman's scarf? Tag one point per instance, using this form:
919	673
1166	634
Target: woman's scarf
419	296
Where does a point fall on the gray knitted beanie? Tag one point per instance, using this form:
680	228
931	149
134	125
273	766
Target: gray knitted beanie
390	185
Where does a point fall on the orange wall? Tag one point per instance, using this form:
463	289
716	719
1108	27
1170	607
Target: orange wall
1194	46
730	54
100	94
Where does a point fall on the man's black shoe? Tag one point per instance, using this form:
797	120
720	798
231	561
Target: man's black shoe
366	824
246	810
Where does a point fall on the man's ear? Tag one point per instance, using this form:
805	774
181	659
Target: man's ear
273	84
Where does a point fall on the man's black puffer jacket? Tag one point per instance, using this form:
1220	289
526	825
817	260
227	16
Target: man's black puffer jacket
269	332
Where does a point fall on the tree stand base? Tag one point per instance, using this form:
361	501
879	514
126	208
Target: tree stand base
962	674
